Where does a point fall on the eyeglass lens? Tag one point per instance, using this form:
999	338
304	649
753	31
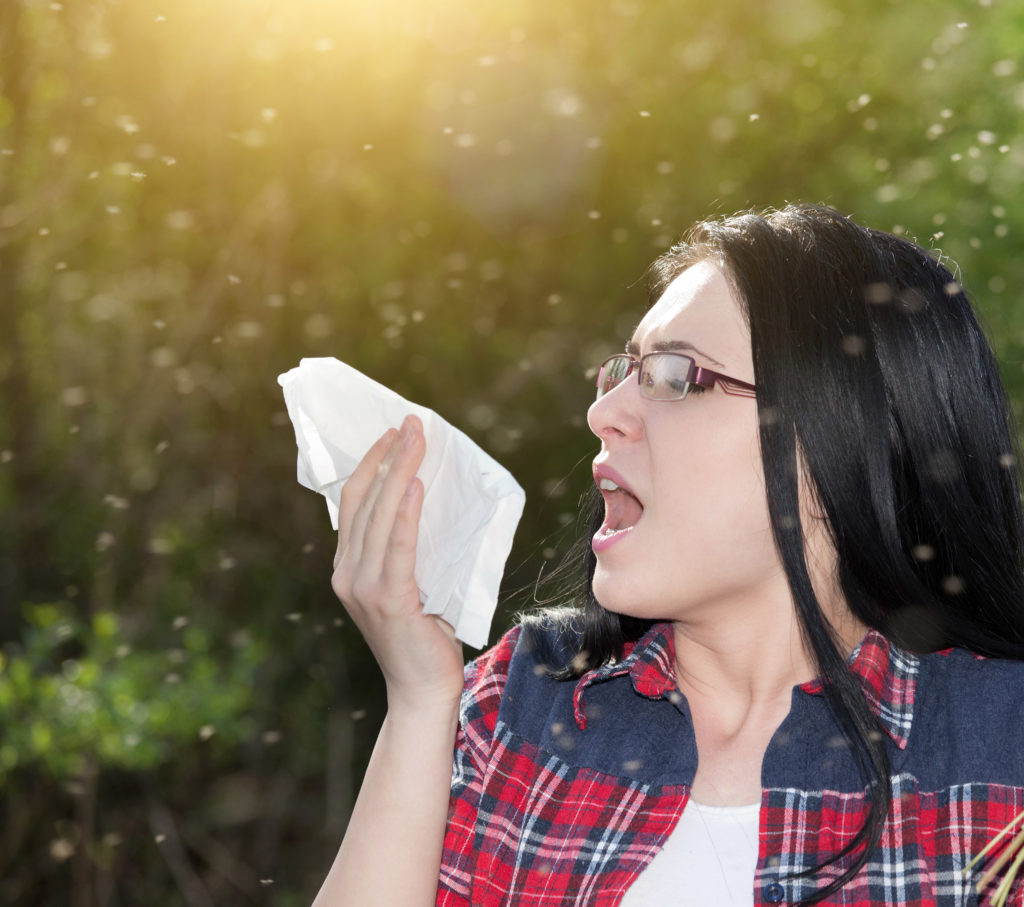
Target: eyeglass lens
662	377
613	373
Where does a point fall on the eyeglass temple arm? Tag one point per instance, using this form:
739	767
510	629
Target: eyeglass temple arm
732	386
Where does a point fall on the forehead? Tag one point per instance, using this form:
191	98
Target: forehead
699	307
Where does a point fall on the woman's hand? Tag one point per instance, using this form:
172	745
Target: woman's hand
392	849
378	523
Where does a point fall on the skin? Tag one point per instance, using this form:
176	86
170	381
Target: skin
702	554
391	853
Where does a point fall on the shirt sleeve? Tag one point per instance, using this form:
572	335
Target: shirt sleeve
485	680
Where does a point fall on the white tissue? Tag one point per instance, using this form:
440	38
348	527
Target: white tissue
471	504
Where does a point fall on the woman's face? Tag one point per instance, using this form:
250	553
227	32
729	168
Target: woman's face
702	541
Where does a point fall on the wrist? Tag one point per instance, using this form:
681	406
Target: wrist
422	708
421	729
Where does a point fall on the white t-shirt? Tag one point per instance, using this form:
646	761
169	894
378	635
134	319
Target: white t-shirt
709	858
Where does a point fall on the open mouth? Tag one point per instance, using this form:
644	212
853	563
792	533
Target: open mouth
622	509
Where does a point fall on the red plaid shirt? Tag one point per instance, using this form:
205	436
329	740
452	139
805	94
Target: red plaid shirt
563	792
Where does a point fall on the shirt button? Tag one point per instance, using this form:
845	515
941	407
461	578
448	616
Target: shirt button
773	893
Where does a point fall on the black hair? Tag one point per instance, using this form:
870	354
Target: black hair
869	359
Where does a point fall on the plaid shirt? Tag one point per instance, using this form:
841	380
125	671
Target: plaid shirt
563	792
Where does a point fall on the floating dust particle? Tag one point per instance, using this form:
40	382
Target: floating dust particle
942	467
61	849
74	396
878	293
854	345
953	584
911	301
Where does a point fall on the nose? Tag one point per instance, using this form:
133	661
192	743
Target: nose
617	413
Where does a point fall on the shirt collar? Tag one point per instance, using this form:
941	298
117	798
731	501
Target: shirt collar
649	662
888	677
887	673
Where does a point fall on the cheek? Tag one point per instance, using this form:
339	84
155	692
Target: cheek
719	506
708	532
720	476
725	512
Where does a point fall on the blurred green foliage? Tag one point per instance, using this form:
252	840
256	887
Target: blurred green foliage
460	200
110	705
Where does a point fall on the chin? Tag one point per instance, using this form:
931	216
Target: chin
620	596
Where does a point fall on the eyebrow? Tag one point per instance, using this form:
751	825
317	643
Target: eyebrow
633	348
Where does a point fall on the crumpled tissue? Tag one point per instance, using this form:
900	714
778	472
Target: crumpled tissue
471	504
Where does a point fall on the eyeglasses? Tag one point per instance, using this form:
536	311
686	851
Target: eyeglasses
666	376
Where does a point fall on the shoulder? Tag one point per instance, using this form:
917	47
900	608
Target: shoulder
521	661
973	707
988	685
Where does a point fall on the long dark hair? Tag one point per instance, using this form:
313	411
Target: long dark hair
867	353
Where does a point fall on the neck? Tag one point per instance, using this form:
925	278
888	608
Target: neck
747	660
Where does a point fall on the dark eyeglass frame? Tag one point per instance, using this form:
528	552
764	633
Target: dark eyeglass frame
695	374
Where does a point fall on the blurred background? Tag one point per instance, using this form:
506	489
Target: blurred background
458	199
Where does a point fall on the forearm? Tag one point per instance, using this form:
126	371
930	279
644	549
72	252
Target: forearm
391	853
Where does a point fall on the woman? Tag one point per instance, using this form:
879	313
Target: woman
807	475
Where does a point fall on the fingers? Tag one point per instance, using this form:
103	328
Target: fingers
357	528
358	483
400	558
372	495
383	511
